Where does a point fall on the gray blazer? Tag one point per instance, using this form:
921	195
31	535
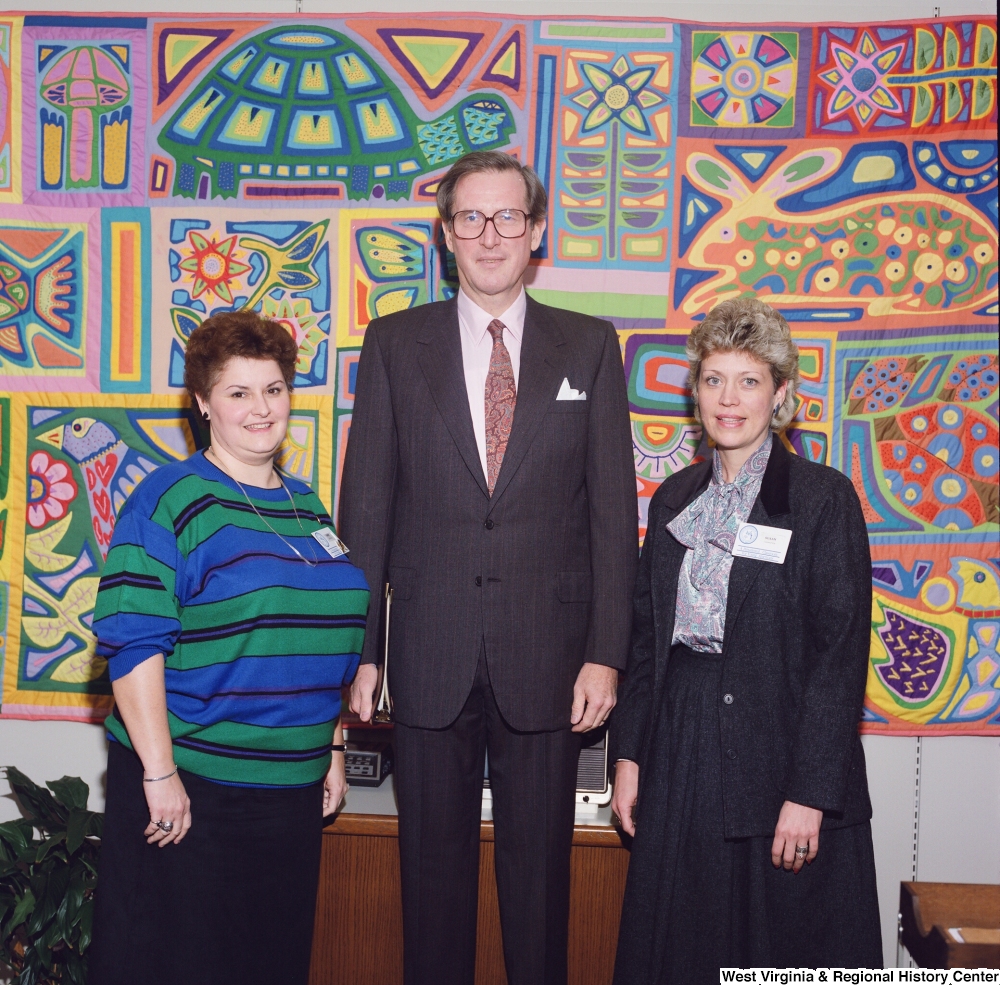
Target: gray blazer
541	572
795	651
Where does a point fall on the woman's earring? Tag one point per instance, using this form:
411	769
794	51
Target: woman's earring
776	409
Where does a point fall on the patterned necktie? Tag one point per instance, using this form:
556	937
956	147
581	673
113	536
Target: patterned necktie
501	395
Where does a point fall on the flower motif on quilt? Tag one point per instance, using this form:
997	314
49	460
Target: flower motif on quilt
51	488
213	266
615	144
620	93
296	316
743	79
110	468
858	80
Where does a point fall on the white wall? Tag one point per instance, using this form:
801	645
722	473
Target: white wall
958	834
956	807
49	751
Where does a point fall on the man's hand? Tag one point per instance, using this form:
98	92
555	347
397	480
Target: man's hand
625	795
594	695
363	691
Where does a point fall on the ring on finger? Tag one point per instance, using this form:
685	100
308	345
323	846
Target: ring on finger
801	851
167	826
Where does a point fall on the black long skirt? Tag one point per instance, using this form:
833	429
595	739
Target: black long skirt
695	901
232	904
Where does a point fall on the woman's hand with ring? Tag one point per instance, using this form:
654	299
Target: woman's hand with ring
626	794
168	804
796	836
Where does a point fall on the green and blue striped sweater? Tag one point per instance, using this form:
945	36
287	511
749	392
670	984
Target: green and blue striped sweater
257	643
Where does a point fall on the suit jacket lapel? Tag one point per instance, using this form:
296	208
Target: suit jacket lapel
667	572
542	364
440	360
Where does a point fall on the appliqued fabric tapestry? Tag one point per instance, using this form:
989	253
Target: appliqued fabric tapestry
157	170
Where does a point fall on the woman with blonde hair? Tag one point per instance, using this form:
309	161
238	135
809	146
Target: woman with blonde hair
739	770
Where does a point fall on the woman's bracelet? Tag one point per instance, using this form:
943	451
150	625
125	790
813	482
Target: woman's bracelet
155	779
340	748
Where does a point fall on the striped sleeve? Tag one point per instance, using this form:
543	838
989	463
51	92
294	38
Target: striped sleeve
137	614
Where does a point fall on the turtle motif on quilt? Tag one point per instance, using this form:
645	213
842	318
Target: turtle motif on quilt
941	462
307	106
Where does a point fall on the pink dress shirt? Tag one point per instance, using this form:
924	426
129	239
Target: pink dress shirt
477	347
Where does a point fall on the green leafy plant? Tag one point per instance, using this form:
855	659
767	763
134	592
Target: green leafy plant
48	871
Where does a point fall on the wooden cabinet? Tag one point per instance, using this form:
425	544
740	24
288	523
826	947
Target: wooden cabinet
359	921
950	924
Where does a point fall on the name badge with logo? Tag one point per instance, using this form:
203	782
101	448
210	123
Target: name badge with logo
330	542
762	543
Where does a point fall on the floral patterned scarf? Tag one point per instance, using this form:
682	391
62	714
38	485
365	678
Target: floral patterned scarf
713	519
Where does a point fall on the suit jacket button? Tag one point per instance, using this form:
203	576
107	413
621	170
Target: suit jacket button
489	524
731	753
727	699
479	581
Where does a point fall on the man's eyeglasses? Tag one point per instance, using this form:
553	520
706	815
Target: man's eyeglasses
470	224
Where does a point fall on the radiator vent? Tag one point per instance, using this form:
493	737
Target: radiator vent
591	773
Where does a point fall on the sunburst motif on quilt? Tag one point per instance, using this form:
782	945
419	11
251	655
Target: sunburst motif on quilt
743	78
279	269
905	78
660	448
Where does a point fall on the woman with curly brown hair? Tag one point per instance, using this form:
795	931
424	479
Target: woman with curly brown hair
739	771
230	619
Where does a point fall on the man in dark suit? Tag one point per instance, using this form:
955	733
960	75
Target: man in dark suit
489	480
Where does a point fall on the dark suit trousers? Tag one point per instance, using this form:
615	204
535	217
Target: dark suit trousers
439	784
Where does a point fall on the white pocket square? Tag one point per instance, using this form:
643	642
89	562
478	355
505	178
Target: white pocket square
566	392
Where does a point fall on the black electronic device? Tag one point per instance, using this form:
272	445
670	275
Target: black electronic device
592	784
367	764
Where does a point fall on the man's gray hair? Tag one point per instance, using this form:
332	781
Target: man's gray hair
750	326
480	161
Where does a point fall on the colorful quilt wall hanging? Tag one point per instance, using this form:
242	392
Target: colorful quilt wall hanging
155	170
